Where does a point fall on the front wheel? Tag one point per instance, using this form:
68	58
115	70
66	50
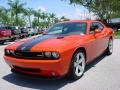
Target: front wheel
109	50
78	65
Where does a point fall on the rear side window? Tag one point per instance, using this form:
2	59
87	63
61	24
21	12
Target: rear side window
99	25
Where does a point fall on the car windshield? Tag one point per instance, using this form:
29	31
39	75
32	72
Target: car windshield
68	28
9	28
12	28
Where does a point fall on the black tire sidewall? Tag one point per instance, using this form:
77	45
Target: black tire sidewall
108	50
72	70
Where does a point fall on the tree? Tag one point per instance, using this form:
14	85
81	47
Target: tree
52	16
16	8
63	18
17	15
35	22
103	9
4	16
37	15
48	19
43	16
21	21
56	20
29	12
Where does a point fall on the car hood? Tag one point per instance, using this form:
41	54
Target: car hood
48	43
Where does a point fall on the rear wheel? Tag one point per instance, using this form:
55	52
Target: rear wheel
78	65
109	50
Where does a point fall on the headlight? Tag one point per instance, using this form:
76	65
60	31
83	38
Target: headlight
48	54
55	54
52	55
7	51
11	52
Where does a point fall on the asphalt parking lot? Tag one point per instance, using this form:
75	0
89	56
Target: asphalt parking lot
102	74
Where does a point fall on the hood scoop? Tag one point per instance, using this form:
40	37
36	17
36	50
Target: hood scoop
60	37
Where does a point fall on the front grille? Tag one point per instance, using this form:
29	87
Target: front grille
28	55
27	69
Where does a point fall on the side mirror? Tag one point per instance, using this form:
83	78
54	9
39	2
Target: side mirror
97	31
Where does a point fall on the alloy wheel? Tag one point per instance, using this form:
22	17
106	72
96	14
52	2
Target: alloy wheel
79	64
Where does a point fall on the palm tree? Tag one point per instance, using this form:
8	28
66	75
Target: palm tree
48	19
56	20
16	8
37	14
43	16
29	12
63	18
4	16
52	16
1	10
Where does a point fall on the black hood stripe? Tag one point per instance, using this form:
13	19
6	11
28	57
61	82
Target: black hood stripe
32	42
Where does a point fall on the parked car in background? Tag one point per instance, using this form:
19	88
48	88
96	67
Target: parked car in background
30	31
65	49
35	30
4	34
39	30
16	32
24	32
43	30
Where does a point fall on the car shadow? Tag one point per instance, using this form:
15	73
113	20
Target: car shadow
93	63
44	83
37	83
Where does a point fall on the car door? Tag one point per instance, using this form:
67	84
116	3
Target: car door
92	44
101	37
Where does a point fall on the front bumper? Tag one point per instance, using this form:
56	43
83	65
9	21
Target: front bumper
54	68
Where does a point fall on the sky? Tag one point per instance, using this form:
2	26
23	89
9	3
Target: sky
59	7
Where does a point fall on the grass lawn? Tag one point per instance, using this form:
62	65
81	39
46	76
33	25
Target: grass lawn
117	35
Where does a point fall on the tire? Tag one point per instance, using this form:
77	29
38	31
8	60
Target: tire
77	67
13	39
109	50
2	42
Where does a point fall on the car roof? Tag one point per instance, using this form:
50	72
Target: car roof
73	21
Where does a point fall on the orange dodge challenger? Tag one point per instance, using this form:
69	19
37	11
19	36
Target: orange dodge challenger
64	49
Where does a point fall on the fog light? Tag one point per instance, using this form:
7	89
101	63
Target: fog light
11	52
